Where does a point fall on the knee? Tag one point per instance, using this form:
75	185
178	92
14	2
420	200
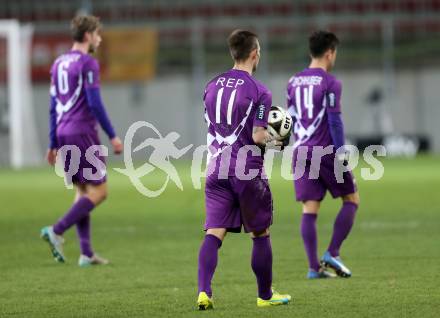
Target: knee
219	233
311	207
353	198
98	197
260	233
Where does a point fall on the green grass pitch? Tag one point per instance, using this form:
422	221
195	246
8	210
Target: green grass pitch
393	251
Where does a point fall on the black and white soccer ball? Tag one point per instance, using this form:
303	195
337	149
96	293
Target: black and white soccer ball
280	123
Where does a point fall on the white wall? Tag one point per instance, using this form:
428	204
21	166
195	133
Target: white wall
168	104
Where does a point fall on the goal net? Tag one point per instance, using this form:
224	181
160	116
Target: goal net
19	144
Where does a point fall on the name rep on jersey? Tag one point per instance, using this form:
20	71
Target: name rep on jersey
229	82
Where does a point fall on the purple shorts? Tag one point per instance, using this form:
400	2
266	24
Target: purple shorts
314	189
83	142
232	203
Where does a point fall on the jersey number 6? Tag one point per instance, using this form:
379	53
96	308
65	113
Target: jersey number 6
63	77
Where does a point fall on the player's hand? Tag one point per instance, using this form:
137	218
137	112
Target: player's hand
285	141
51	156
274	144
117	145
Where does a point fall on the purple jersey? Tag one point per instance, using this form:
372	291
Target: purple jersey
71	74
310	95
235	102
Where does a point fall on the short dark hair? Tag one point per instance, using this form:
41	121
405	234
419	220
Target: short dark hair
82	24
321	41
241	43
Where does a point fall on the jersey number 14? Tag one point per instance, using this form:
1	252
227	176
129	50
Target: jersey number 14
307	99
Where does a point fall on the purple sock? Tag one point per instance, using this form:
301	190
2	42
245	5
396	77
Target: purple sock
208	257
262	265
343	223
310	238
79	210
83	231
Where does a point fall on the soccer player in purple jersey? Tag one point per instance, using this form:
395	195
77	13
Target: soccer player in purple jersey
236	111
75	110
313	98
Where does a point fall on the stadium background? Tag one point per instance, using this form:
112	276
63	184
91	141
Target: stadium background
155	58
388	60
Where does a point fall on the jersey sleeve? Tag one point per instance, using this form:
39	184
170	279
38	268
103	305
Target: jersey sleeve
52	114
290	104
91	73
336	128
53	89
91	84
204	93
289	101
263	108
333	96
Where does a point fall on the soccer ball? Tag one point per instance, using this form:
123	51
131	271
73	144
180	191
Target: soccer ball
280	123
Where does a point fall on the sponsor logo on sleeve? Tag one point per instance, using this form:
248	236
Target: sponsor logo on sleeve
332	99
260	112
90	77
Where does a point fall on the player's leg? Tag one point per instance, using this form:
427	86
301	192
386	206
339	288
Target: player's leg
94	191
81	208
208	258
262	263
55	238
88	193
310	191
97	194
310	239
344	222
309	233
346	190
83	225
341	228
80	190
256	210
94	195
262	267
222	215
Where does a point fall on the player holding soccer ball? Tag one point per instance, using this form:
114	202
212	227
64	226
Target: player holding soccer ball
75	109
313	98
236	111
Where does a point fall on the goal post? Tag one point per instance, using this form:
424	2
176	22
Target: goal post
24	147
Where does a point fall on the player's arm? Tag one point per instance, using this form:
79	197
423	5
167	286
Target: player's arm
259	133
53	144
290	105
94	100
334	116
